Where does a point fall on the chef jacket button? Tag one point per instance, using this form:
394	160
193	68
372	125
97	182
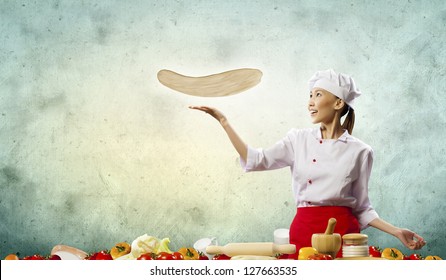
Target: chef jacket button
320	141
309	181
314	160
309	202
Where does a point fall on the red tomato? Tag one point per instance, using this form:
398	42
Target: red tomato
326	257
284	257
91	256
177	256
165	256
374	252
415	257
100	256
322	257
147	257
54	258
202	256
220	257
34	258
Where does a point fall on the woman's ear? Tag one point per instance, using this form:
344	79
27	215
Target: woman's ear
339	104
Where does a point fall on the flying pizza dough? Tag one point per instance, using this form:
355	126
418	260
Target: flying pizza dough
216	85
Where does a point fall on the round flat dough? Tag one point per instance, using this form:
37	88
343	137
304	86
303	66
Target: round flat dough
215	85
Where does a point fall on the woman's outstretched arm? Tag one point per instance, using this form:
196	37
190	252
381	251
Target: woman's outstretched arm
409	238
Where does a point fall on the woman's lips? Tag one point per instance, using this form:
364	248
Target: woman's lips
313	112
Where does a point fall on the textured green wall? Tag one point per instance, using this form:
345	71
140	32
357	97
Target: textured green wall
94	151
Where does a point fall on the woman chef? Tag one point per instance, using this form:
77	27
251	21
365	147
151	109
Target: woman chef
330	168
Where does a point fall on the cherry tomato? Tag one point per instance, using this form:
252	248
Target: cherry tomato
34	257
220	257
415	257
147	257
100	256
177	256
54	258
202	256
319	256
165	256
284	256
91	256
374	252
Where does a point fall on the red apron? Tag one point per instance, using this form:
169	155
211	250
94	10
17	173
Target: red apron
309	220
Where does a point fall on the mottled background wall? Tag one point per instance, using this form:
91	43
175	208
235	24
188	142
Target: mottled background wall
94	151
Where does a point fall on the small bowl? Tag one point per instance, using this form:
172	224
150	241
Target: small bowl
282	236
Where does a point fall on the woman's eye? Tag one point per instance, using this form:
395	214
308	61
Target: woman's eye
318	94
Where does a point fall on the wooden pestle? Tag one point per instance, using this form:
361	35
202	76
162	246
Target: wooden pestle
330	226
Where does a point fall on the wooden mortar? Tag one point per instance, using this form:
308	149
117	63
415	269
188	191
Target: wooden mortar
328	242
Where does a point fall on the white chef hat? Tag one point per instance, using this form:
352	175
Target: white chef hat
341	85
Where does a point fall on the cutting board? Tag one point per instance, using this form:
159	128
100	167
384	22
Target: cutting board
254	248
362	258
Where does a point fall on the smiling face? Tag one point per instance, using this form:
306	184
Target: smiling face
324	106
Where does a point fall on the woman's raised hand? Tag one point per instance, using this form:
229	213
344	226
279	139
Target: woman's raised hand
211	111
236	141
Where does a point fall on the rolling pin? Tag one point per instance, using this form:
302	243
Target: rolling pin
254	248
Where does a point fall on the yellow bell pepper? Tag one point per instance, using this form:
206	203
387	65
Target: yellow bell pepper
305	252
432	258
120	249
189	253
392	254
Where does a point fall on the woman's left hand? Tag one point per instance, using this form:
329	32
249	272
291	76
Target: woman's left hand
410	239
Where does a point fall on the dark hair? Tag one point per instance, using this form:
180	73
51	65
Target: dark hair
349	120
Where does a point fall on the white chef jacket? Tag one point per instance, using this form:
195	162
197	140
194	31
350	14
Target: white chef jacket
325	172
